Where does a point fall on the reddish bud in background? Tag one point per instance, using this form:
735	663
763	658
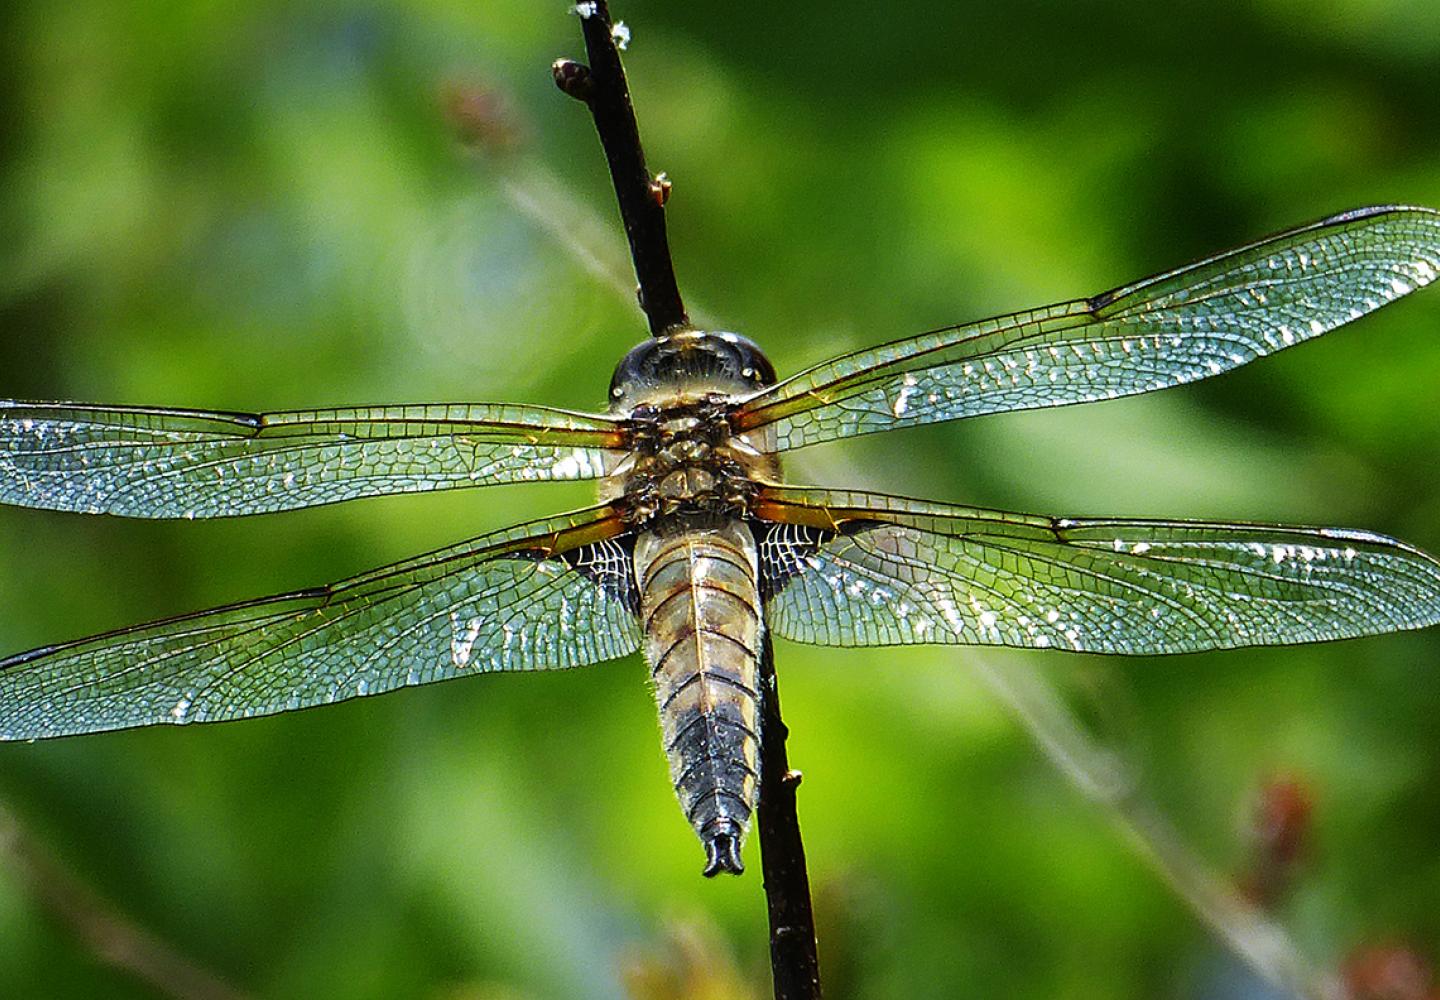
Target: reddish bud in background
1388	972
481	117
1279	832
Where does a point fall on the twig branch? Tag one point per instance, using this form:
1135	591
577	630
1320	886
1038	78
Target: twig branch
602	87
793	961
109	936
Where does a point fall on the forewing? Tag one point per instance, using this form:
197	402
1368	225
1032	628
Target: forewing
851	569
547	595
141	462
1178	327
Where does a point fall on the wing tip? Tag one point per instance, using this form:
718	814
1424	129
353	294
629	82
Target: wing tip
1374	211
29	656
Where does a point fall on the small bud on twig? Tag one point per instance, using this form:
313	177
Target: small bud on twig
574	79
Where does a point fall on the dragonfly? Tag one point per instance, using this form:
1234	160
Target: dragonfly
697	550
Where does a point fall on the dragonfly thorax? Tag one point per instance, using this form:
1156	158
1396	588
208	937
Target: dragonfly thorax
685	458
678	393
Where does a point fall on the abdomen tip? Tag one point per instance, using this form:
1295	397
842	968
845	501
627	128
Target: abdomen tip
722	854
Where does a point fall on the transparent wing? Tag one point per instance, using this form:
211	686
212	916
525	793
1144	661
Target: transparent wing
140	462
546	595
1189	324
855	569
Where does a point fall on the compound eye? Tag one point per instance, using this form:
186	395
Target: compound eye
755	367
725	361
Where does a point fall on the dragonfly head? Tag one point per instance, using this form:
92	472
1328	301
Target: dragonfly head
686	365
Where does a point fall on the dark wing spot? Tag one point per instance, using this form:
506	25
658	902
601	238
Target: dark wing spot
784	549
610	565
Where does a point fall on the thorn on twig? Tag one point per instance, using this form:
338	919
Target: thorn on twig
573	79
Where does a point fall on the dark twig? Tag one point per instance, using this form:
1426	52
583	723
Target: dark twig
601	86
109	936
794	966
793	962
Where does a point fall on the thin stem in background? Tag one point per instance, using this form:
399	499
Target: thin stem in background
535	191
112	938
1101	776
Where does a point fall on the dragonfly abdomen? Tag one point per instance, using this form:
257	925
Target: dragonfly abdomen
699	604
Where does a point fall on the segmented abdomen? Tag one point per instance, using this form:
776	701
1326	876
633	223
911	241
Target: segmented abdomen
699	603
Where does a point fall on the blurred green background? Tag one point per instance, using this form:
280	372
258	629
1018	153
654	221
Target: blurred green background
264	206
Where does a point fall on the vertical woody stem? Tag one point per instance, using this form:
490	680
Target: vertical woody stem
602	87
794	966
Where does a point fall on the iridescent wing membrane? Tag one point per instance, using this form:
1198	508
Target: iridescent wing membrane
1187	324
550	594
857	569
838	568
139	462
546	595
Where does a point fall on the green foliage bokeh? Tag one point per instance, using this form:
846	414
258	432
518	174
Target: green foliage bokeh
263	206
